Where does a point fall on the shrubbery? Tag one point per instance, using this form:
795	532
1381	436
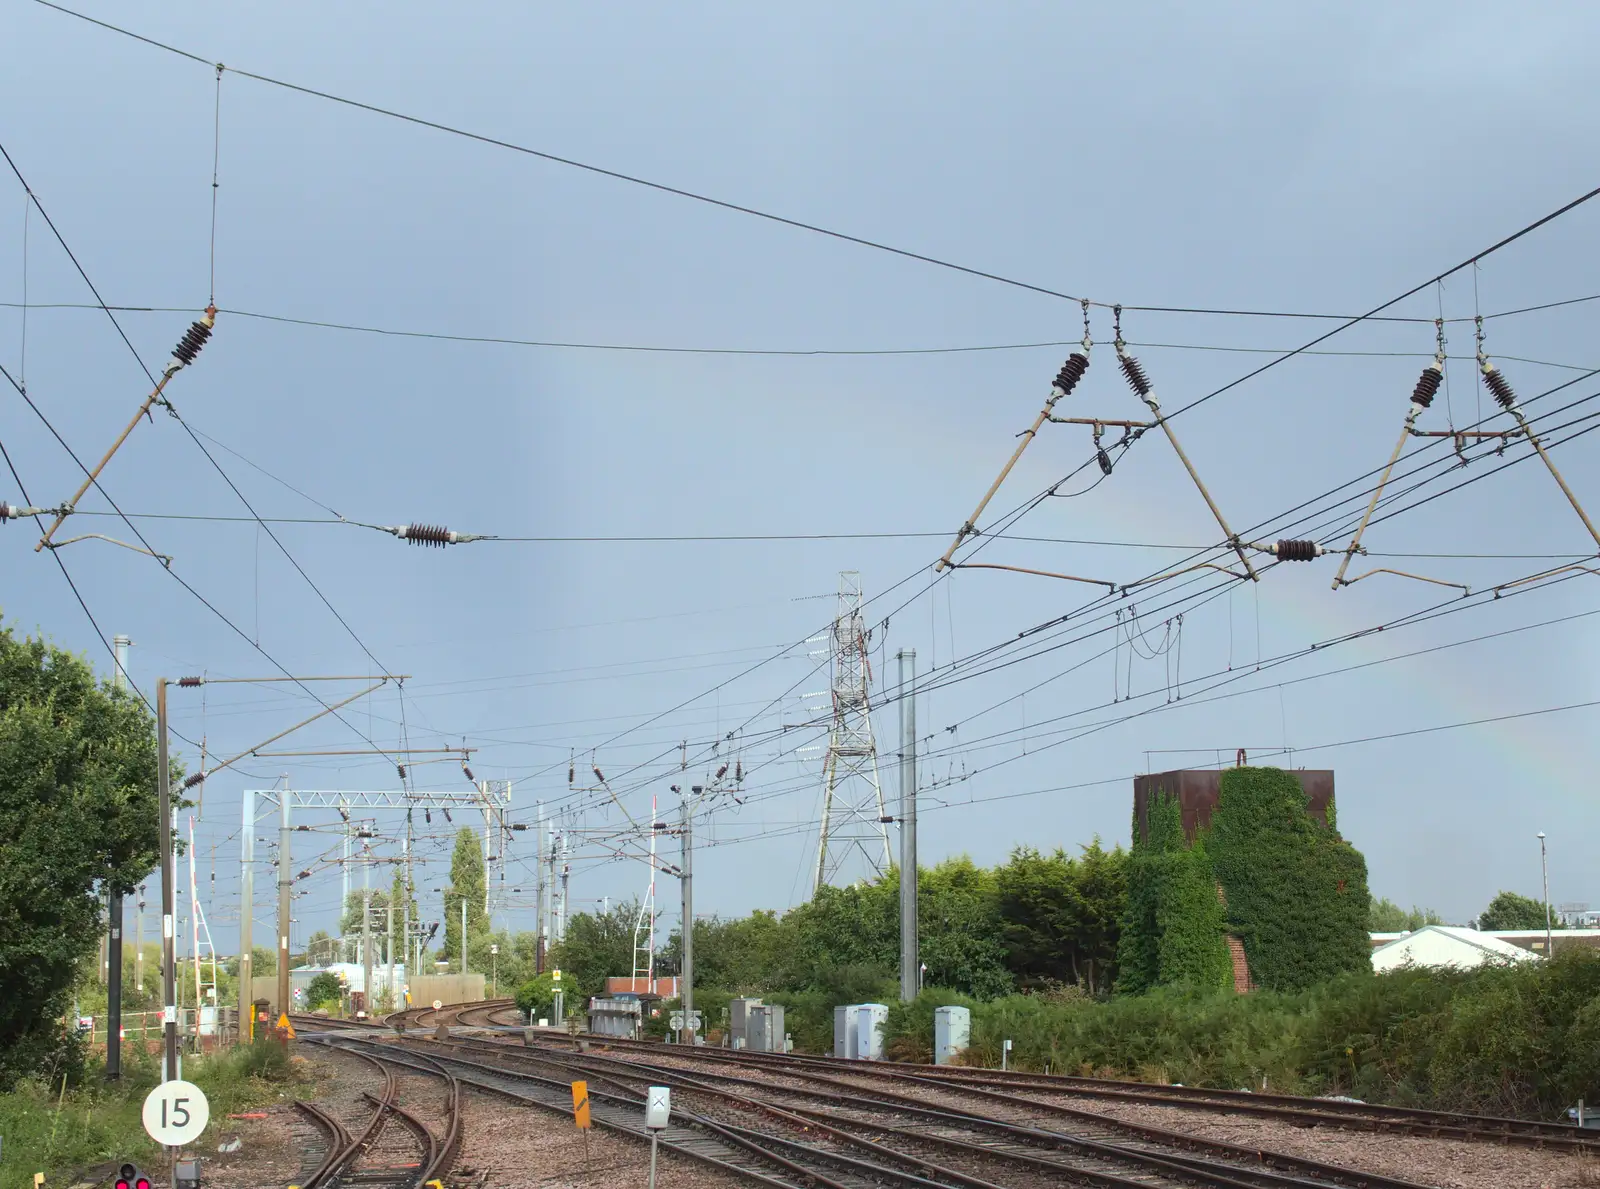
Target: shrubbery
1508	1040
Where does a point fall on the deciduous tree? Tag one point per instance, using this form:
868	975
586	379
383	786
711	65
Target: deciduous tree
78	812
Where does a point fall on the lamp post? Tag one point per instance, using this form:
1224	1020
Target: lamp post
1544	869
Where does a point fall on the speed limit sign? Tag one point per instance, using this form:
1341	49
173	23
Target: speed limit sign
437	1004
175	1113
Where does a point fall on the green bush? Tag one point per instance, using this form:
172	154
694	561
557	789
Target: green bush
536	998
325	991
1520	1040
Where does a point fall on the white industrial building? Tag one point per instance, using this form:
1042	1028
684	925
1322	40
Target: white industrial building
1446	945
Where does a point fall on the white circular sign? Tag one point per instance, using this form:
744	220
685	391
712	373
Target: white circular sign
437	1004
176	1113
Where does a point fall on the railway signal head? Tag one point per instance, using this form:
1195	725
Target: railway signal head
129	1177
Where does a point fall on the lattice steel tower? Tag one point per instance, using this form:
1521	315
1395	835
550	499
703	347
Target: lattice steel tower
854	838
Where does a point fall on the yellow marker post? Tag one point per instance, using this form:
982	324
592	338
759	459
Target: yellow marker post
38	1180
288	1028
580	1112
580	1104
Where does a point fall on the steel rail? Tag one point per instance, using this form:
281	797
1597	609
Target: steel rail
1377	1117
1259	1166
692	1130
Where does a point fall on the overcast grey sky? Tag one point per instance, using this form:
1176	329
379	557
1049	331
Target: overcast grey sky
1240	156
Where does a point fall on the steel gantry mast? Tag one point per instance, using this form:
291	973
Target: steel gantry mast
854	839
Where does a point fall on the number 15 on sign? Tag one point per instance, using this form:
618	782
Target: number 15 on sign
175	1113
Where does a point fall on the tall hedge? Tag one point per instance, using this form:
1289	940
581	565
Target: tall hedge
1296	890
1174	930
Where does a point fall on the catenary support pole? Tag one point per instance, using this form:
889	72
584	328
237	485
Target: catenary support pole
1544	870
910	951
566	873
368	999
138	942
247	912
541	892
344	875
114	914
285	875
169	969
463	934
114	988
686	934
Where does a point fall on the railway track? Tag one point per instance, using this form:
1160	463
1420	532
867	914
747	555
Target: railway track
450	1014
739	1151
1036	1089
897	1132
394	1149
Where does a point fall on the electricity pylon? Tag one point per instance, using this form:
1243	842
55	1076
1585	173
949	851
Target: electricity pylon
854	838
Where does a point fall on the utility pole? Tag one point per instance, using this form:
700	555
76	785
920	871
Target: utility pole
910	951
169	971
119	682
687	928
247	913
463	934
284	876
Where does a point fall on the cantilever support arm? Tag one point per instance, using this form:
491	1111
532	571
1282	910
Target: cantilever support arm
1205	565
1233	537
980	565
970	528
1461	586
1354	547
1576	566
323	713
71	505
1527	431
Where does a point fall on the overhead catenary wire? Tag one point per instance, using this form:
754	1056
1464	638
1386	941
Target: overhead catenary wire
1562	386
738	208
807	352
191	344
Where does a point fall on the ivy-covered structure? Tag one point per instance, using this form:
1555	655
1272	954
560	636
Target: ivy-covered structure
1240	878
